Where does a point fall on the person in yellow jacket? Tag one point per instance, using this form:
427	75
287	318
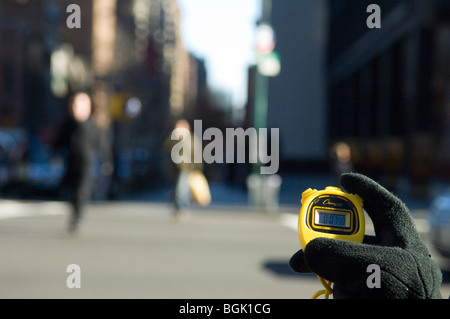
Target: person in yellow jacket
183	165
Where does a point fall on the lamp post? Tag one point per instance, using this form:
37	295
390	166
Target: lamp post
263	190
265	44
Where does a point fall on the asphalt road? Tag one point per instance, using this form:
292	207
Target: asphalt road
135	250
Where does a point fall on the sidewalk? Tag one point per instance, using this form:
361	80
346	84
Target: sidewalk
290	194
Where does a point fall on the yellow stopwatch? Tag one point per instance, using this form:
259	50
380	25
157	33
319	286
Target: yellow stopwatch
330	213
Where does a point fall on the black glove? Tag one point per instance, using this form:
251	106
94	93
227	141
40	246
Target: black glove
406	267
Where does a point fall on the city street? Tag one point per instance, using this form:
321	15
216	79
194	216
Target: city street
138	104
135	250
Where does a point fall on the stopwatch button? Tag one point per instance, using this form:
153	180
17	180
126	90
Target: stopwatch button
332	188
307	193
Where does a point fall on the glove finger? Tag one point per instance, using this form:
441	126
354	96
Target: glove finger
297	263
340	261
391	218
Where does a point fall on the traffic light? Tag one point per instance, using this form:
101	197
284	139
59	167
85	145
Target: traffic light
125	106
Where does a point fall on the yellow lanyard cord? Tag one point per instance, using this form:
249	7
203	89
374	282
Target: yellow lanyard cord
327	291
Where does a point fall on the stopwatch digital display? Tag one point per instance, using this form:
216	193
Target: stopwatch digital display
331	219
330	213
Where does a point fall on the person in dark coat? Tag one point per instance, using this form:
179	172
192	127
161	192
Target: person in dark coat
81	139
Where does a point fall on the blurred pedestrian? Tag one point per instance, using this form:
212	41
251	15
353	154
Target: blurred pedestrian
182	167
81	139
341	160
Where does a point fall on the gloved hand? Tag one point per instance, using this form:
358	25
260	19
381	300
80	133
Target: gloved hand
406	267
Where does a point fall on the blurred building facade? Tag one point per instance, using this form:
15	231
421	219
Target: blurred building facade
128	53
151	64
384	91
388	88
297	96
28	35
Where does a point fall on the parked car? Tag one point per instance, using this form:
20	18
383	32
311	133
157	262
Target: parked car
13	145
28	169
439	234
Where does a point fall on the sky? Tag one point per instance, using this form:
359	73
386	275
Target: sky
222	32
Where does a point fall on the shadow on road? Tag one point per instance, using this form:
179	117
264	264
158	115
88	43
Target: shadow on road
281	268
